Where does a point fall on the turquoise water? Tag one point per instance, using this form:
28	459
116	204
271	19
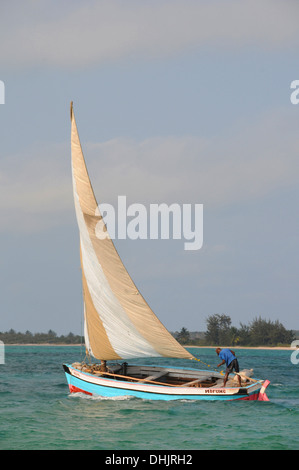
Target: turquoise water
37	412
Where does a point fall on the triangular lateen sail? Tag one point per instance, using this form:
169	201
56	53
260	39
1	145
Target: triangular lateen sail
119	324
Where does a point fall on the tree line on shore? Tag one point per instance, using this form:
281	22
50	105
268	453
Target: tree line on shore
13	337
219	332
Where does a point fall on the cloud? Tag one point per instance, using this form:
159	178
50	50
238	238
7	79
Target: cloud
245	166
80	34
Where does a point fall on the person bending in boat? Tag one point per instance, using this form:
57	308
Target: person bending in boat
229	358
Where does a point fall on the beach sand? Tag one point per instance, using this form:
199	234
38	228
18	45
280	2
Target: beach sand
283	348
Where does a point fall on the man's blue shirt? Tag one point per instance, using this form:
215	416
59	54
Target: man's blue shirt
227	356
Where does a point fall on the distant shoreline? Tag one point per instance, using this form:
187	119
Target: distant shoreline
282	348
41	344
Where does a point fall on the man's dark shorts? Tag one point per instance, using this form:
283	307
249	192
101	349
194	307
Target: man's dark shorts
233	365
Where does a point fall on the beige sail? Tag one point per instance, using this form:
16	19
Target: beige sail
119	324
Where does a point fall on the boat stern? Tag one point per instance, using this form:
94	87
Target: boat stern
262	395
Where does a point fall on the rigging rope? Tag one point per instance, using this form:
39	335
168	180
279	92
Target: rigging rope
208	365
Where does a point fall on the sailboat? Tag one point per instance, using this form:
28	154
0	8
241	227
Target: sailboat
119	325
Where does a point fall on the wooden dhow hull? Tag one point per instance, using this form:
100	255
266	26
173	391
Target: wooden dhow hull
200	387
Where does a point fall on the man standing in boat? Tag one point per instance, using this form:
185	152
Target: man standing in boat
229	358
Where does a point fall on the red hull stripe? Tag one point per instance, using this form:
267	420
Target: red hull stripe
254	396
74	389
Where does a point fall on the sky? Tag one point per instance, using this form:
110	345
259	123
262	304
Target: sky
176	101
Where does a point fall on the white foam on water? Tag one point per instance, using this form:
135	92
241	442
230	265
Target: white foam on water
98	397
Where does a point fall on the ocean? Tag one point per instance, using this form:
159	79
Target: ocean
37	412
